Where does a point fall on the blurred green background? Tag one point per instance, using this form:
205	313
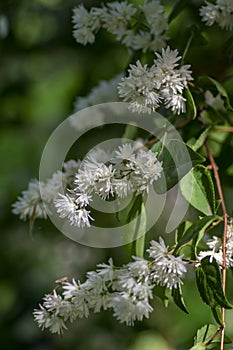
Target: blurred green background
42	70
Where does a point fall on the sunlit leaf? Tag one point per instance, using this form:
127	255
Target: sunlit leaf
191	110
206	333
178	159
197	228
193	189
201	139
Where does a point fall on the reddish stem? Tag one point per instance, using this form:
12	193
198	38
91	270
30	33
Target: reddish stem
224	241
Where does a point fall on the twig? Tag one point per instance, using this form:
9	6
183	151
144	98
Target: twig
224	241
215	335
224	128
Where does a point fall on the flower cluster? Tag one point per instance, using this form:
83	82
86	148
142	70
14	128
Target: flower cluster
34	201
126	290
139	29
215	245
145	88
221	13
130	170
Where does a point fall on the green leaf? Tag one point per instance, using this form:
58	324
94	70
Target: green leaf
193	189
200	229
201	139
178	160
191	111
197	228
200	346
215	87
213	277
130	132
158	147
178	298
140	231
179	6
217	313
160	292
182	228
209	186
136	208
204	289
205	333
209	285
131	216
137	226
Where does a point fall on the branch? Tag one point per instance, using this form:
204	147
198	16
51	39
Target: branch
225	216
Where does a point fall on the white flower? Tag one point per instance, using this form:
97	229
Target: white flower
146	88
53	186
116	17
138	89
82	199
84	35
57	325
67	206
42	317
95	282
221	12
167	61
122	10
30	204
225	20
81	218
154	10
176	103
157	249
215	244
103	184
125	152
107	271
128	310
168	271
139	268
85	25
142	41
209	13
122	187
70	289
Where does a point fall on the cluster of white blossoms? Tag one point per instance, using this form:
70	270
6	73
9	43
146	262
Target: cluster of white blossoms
141	28
221	13
145	88
216	252
34	201
126	290
130	170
